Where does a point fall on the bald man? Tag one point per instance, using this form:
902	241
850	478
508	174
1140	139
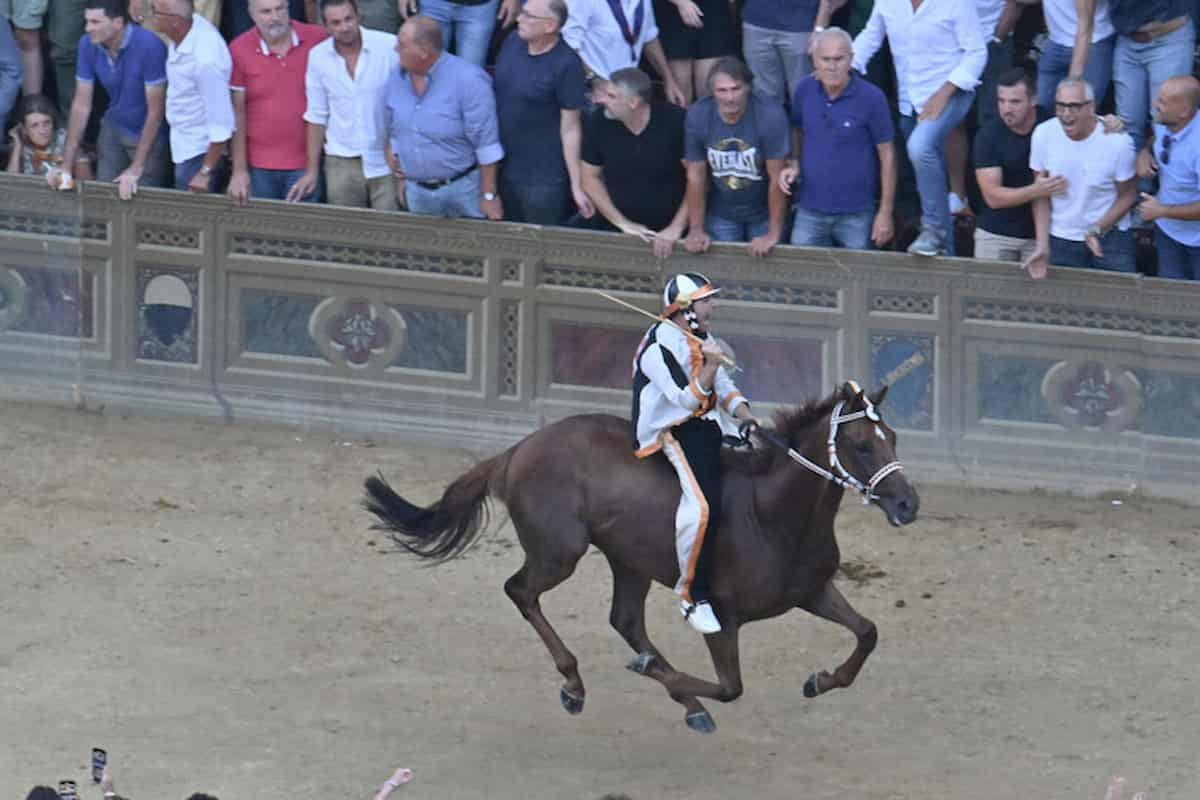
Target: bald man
443	135
1173	154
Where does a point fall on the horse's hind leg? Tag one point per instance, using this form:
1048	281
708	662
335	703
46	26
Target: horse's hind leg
831	605
524	588
628	617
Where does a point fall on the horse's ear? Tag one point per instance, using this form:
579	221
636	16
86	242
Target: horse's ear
851	391
878	398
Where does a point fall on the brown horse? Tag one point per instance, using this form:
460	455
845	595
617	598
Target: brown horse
577	483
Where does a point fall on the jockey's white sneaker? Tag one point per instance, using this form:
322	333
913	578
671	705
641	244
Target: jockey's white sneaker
700	616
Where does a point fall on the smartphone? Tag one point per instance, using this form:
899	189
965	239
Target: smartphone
99	759
68	790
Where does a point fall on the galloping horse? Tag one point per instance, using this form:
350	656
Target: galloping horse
577	483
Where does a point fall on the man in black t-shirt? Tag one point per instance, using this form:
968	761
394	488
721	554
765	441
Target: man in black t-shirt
633	168
1004	230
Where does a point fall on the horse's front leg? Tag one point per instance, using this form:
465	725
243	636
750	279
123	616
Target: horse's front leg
831	605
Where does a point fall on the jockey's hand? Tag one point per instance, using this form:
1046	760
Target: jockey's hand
711	350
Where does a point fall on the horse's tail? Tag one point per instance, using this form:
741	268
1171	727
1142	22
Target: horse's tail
449	526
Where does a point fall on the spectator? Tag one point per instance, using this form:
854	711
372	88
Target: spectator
939	56
1173	154
11	71
610	35
267	89
300	10
38	143
64	28
443	137
199	110
1081	41
539	92
694	34
633	168
1154	42
27	18
1004	230
130	63
775	41
736	143
400	777
469	23
345	115
847	162
1086	224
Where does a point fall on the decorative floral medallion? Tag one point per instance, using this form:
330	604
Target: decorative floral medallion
357	332
1088	394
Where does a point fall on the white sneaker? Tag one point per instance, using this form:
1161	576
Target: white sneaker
700	616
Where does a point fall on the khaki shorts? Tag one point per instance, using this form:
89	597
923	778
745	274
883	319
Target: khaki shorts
994	247
27	14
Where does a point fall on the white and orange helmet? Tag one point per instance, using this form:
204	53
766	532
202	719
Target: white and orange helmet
683	290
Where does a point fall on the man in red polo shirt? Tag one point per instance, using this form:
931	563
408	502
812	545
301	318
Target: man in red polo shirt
267	84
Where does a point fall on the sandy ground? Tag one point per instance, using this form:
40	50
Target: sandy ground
208	603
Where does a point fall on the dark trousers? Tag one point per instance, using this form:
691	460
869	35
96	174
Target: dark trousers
701	443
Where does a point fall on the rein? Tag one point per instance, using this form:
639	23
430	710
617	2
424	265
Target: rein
837	473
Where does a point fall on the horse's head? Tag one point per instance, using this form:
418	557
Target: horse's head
865	448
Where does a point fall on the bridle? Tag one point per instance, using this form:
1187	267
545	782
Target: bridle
837	473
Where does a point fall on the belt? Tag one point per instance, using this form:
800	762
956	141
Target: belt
1158	29
433	186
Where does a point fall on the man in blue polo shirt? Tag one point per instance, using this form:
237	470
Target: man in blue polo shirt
847	159
1174	155
130	63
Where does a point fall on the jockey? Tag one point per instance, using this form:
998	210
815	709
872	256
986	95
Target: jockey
678	380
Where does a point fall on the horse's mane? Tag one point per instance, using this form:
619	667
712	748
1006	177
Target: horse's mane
789	424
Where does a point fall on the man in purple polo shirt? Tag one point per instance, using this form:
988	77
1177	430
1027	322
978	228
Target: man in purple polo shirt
847	160
130	63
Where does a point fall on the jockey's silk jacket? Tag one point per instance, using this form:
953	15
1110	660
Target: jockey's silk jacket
666	391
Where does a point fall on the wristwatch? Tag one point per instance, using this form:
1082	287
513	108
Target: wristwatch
206	170
1095	230
489	195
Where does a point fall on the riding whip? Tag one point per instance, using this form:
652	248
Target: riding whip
725	359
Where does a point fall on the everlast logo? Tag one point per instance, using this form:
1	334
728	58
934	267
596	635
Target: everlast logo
734	163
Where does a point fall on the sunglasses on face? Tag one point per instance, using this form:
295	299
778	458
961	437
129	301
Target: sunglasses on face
1166	150
1060	106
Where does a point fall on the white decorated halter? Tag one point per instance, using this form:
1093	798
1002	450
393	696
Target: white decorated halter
836	472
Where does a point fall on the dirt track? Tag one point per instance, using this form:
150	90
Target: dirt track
208	603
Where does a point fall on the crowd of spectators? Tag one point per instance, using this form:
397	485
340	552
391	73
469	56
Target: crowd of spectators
780	129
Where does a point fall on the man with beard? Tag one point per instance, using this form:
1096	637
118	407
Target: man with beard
633	162
345	82
267	87
736	144
1087	223
130	63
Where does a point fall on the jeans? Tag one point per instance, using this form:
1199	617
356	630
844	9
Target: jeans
536	203
999	61
819	229
1118	247
458	199
11	70
926	145
1175	259
1139	69
186	170
778	60
727	230
274	184
1055	63
64	27
470	26
115	151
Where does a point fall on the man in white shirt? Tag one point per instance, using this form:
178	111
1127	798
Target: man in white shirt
199	109
609	37
345	84
939	55
1087	224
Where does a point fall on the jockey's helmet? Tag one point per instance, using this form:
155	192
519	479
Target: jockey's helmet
685	289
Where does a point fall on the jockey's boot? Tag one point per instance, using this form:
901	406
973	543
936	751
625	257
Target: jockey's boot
700	616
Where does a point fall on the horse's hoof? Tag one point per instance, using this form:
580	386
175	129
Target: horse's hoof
810	686
641	663
701	721
570	702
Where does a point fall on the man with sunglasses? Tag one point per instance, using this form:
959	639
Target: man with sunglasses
1087	223
1173	154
